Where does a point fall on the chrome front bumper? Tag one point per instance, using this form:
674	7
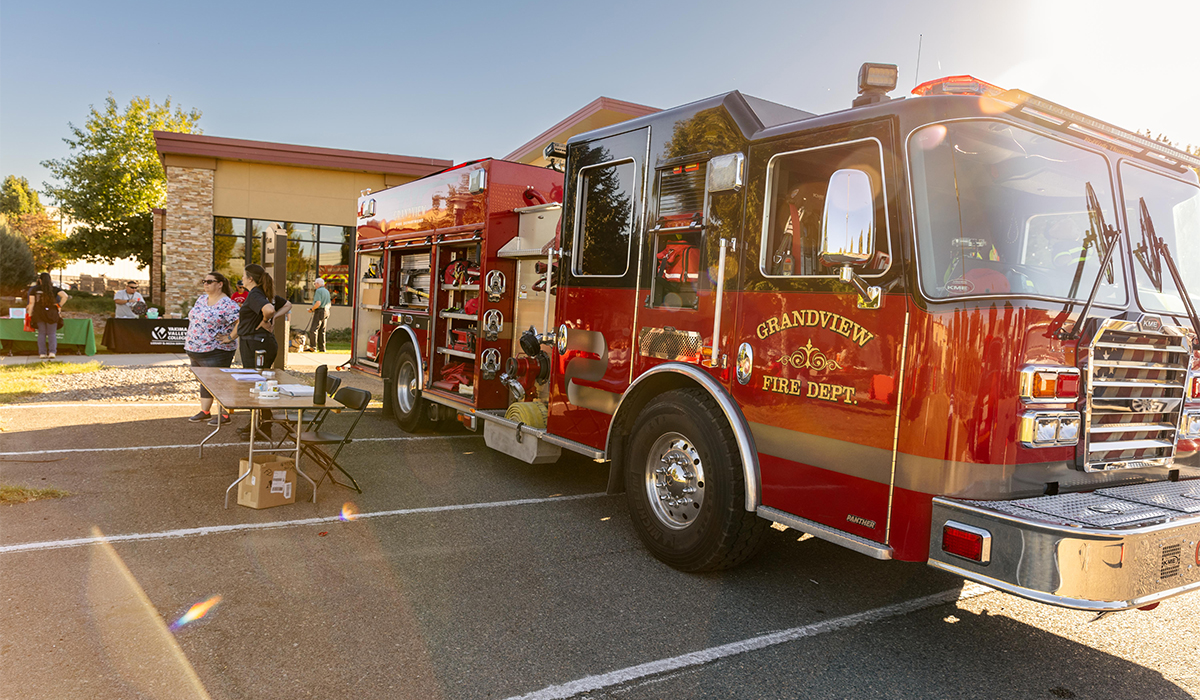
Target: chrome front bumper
1110	549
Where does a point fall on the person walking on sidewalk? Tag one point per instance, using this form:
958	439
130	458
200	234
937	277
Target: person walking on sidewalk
45	301
320	312
210	322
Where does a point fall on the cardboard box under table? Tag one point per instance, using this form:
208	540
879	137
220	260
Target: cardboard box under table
235	394
272	482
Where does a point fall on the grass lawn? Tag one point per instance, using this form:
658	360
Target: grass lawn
20	381
20	494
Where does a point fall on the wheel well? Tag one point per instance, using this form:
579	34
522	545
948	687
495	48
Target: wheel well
631	405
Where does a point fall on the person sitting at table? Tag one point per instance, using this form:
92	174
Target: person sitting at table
253	331
212	318
125	298
45	302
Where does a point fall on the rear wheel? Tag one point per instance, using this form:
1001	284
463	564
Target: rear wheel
411	411
685	485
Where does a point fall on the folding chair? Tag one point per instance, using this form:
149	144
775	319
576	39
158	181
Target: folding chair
312	441
312	418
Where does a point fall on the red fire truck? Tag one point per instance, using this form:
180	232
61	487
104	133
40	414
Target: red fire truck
952	328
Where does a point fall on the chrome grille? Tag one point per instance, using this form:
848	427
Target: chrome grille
1135	394
669	344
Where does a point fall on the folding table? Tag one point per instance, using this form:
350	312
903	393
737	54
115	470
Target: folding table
233	394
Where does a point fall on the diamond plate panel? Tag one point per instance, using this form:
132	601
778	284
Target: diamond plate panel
1182	496
1085	508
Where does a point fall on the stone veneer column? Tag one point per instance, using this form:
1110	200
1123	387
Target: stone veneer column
154	294
188	236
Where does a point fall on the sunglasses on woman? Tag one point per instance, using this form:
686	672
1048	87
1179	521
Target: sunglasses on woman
210	281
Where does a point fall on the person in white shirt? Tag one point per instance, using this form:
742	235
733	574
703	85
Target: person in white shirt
125	298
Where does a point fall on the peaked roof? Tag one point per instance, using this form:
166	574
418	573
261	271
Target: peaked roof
598	113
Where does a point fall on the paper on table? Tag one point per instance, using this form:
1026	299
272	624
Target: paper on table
295	390
239	370
248	377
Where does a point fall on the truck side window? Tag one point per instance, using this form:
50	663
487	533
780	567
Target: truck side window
796	184
604	233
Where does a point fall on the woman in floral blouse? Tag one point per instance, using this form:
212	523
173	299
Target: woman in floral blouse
212	317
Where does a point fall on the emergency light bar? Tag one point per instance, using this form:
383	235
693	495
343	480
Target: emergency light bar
957	85
1088	128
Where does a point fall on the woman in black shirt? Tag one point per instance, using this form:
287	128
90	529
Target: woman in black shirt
254	320
45	300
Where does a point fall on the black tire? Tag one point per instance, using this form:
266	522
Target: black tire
411	411
682	441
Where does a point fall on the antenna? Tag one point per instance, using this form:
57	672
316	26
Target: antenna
917	75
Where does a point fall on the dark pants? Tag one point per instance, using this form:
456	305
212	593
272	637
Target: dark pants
316	336
212	358
258	340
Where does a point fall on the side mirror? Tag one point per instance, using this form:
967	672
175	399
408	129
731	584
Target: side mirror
848	230
848	226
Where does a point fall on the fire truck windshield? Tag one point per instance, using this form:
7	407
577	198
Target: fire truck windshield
1172	213
1001	210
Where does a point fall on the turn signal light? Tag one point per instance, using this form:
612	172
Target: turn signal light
967	542
1042	383
1195	392
1045	385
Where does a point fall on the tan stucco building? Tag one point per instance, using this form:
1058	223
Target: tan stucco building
224	194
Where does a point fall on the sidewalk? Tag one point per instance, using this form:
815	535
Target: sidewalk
299	361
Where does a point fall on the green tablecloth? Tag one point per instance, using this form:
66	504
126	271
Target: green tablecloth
75	331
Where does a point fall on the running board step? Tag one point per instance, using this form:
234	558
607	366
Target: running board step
829	534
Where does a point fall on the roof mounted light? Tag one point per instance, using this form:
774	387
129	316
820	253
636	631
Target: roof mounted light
957	85
875	80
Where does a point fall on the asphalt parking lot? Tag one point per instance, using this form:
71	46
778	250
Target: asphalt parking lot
467	574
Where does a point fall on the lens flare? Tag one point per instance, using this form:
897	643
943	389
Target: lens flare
349	512
930	137
196	612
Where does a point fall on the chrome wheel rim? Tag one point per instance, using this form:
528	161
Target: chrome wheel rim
406	387
674	481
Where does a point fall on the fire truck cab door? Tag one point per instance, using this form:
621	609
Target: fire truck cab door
601	234
816	374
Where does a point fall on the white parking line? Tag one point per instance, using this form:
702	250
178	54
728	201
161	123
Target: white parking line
218	444
697	658
247	527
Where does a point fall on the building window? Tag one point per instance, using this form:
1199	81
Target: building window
313	250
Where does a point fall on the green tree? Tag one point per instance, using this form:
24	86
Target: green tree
16	263
16	197
113	178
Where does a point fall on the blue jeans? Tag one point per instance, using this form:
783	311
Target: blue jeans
47	334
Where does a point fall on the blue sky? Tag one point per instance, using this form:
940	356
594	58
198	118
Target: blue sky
472	79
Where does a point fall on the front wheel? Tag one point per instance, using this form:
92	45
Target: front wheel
685	485
411	411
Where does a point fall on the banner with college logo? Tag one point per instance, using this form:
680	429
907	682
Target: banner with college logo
145	335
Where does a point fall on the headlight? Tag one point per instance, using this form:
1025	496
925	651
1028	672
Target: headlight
1052	429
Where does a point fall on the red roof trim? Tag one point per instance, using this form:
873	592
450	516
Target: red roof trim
597	105
167	142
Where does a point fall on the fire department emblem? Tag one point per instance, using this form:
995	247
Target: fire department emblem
811	358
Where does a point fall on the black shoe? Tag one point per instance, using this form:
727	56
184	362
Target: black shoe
200	417
244	432
223	418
